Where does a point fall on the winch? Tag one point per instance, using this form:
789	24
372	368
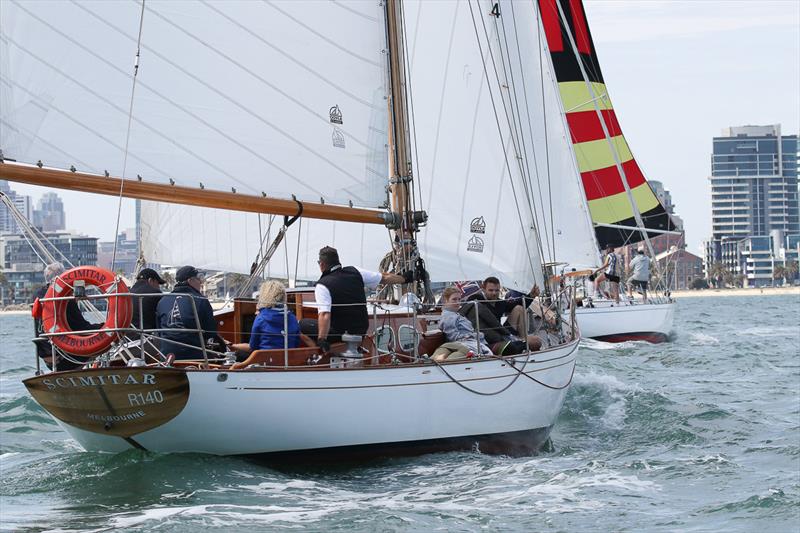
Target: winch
352	356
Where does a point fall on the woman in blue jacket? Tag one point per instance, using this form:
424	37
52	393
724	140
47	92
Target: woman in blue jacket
268	328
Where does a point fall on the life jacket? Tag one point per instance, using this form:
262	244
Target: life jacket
346	287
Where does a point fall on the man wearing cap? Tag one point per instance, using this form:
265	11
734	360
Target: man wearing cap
175	313
337	287
147	282
640	268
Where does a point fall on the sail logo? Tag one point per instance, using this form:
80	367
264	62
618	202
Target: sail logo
475	244
478	225
335	114
175	319
338	138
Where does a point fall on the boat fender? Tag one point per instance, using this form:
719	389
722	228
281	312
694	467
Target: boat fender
54	313
36	310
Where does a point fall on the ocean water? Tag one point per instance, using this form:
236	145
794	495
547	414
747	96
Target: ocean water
700	434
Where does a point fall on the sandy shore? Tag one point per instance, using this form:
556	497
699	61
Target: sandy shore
766	291
15	312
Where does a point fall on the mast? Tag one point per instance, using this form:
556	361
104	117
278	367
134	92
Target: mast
175	194
634	207
399	161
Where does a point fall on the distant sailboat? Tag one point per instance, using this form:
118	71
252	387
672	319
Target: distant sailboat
375	125
621	207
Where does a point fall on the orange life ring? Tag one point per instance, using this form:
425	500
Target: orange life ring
54	313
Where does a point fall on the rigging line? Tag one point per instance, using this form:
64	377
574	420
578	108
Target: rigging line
441	108
544	123
127	138
502	142
24	227
297	251
518	114
512	126
527	113
514	130
172	102
416	183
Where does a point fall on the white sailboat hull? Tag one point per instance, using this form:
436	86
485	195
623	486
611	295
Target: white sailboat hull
624	322
256	412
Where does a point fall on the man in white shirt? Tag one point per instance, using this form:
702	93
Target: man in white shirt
341	298
640	267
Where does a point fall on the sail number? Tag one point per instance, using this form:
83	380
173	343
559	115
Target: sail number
151	397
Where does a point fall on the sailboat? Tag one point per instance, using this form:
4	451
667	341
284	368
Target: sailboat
366	126
616	206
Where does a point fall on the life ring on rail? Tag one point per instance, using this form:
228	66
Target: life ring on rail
54	313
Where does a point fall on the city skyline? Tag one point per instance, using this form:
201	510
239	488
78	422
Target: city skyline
699	68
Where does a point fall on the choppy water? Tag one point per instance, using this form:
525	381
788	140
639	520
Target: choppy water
702	434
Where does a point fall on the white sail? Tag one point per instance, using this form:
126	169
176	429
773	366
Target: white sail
281	98
565	224
229	240
467	169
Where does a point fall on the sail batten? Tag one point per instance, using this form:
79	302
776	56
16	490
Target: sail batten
590	115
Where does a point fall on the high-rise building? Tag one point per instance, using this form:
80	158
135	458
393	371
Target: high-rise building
8	224
754	200
49	213
23	269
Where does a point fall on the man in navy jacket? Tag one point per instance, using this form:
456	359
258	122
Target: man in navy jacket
176	313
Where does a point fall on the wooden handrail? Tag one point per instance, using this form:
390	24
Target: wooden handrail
176	194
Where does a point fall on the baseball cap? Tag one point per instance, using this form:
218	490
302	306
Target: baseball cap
149	273
186	272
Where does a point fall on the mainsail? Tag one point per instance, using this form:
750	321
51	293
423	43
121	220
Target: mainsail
282	99
603	184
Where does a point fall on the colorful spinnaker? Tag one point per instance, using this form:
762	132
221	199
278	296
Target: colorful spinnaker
603	185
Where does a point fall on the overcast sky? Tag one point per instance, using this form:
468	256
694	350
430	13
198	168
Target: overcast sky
677	71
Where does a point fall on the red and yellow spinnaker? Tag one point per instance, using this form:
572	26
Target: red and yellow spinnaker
602	182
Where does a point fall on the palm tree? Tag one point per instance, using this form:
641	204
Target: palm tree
717	273
791	270
778	272
236	282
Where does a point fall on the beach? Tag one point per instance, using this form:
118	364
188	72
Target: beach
766	291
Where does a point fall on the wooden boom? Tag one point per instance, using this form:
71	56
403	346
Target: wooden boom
175	194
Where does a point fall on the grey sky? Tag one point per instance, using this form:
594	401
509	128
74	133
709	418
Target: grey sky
677	71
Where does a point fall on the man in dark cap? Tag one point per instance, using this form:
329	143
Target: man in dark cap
148	282
176	313
337	287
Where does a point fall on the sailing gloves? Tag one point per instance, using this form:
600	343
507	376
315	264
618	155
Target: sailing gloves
324	346
408	276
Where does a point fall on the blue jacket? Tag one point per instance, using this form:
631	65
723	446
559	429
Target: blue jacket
267	331
174	312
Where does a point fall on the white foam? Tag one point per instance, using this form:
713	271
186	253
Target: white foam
702	339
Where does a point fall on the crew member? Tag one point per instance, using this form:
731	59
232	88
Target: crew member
147	282
341	298
176	314
75	320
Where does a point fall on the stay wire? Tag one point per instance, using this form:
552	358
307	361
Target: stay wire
512	126
547	143
502	142
528	115
127	136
